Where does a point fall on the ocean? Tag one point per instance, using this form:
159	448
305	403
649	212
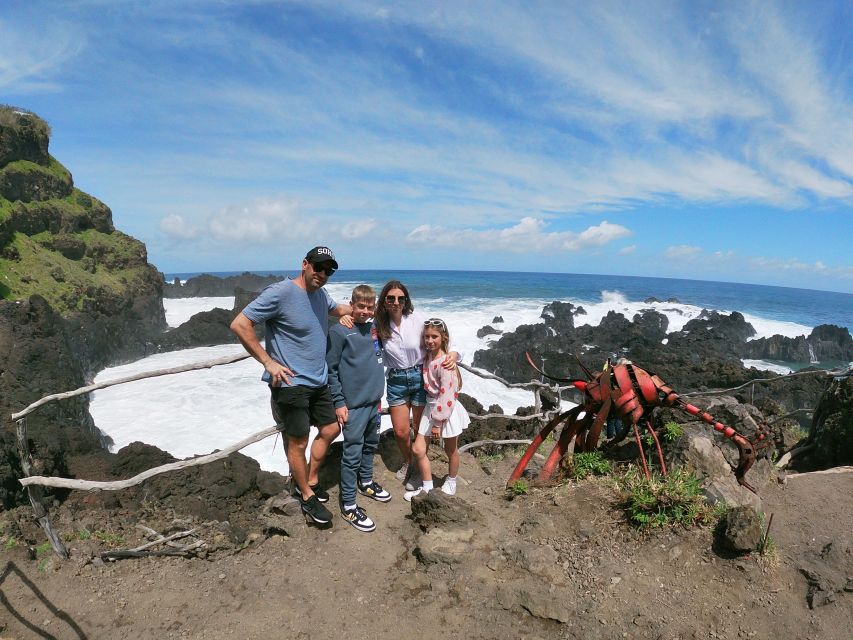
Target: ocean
197	412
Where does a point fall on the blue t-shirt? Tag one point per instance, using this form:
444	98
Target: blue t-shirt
297	324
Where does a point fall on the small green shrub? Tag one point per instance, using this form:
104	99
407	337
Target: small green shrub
674	500
11	543
43	549
672	431
588	463
491	457
84	534
518	488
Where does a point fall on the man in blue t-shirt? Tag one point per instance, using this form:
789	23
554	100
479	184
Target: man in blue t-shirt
295	313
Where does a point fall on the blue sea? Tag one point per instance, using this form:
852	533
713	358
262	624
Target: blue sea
800	306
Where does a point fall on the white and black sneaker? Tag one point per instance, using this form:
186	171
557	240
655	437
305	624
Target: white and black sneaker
315	512
322	496
374	491
358	519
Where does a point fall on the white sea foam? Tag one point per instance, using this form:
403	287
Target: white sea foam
179	310
197	412
763	365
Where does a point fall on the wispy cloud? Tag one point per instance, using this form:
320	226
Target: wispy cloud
681	252
528	236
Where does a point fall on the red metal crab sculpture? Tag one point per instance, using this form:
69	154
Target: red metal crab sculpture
632	393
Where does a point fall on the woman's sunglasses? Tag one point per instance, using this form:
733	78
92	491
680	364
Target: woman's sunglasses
395	299
434	322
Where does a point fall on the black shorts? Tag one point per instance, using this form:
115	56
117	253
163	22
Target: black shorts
297	408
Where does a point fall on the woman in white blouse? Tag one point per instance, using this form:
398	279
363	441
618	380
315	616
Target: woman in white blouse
399	329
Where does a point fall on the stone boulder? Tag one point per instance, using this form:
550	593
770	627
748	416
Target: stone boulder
742	532
488	330
826	342
437	509
206	285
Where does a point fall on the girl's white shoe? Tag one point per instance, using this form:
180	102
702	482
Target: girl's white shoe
449	487
411	494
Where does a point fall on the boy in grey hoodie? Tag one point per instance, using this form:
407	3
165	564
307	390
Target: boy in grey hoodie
357	382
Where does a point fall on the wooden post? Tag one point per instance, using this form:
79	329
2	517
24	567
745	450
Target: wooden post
537	406
35	492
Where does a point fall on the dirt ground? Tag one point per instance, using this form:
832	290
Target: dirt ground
557	563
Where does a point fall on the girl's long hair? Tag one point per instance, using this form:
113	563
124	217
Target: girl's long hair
381	320
445	346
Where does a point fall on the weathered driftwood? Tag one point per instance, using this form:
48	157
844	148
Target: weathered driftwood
142	551
118	485
793	453
847	469
35	493
533	384
139	376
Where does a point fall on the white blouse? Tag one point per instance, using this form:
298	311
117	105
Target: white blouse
404	349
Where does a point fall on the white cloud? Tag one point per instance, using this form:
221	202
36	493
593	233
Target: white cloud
624	251
358	228
264	221
682	251
174	225
528	235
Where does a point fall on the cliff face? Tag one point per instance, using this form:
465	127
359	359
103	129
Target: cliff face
77	295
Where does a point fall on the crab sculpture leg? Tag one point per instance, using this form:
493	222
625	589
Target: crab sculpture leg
632	393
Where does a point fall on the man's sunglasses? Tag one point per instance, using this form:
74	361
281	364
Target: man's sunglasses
434	322
395	299
319	268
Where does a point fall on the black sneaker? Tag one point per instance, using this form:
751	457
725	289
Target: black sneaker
322	496
316	512
373	490
358	519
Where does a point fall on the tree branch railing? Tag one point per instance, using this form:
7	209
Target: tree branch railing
31	482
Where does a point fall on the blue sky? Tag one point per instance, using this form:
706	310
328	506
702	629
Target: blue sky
707	140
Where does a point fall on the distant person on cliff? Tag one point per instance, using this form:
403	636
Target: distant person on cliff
400	329
357	380
295	312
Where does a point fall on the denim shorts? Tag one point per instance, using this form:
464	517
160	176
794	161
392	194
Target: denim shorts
406	386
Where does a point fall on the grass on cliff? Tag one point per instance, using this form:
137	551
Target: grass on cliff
671	501
10	116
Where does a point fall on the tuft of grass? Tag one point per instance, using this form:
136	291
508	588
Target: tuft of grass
518	488
674	500
491	457
43	549
584	464
11	543
672	431
111	539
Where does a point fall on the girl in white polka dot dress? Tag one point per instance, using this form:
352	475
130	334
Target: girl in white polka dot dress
441	418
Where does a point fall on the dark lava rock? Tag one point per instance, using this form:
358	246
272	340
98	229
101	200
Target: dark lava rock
204	329
138	457
826	342
206	285
832	426
488	330
497	319
743	530
437	509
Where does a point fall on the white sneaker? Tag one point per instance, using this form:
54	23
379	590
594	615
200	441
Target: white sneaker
449	487
411	494
402	472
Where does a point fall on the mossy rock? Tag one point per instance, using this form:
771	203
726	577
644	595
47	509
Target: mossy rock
27	181
70	246
61	216
23	136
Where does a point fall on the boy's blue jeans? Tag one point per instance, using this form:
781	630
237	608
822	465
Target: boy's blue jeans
361	437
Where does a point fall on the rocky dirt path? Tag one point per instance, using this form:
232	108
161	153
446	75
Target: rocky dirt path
557	563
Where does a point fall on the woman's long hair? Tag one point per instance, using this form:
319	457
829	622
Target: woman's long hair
381	320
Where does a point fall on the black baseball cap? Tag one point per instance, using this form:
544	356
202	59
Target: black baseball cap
321	254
